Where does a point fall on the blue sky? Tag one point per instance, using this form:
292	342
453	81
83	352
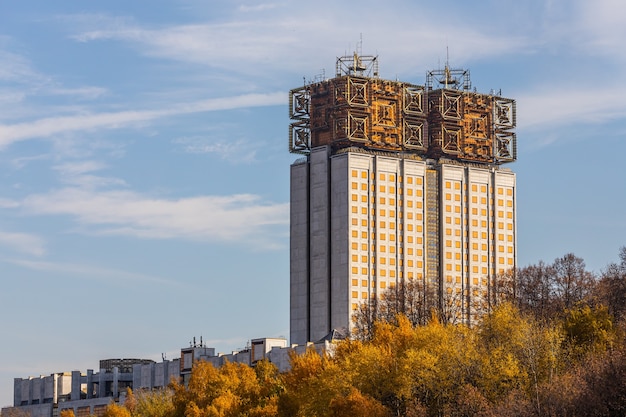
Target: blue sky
144	164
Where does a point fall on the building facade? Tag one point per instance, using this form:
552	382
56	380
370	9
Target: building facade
399	183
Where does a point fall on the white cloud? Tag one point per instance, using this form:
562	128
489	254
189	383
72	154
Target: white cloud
562	105
16	68
23	242
287	40
242	218
78	173
6	203
227	150
89	271
602	27
80	92
114	120
257	8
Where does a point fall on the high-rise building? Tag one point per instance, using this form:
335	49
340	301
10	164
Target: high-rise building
398	183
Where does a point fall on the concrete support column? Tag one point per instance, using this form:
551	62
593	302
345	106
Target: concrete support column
102	385
116	376
75	394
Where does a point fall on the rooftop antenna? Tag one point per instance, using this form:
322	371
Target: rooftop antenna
448	79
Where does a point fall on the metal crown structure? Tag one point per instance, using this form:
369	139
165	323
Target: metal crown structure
443	118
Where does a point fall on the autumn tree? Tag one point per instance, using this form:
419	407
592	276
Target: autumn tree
535	290
116	410
231	390
311	384
572	282
522	353
151	403
414	299
611	288
66	412
588	330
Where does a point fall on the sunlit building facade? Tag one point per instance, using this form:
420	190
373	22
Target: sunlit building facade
399	182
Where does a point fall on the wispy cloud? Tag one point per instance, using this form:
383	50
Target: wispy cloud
227	150
242	218
264	46
50	126
89	271
6	203
16	68
79	173
558	106
601	28
257	8
78	92
23	242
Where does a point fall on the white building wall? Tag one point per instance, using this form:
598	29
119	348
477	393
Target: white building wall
299	254
319	250
371	225
339	249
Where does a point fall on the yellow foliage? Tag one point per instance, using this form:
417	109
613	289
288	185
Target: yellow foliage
115	410
67	412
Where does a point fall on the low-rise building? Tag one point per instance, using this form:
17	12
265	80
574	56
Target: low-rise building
88	394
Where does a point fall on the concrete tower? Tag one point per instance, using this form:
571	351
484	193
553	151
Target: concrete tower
398	183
